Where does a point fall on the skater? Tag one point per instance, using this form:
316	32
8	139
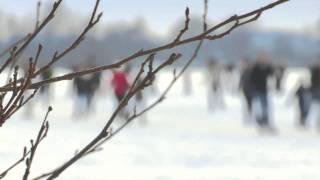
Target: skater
303	95
245	85
315	90
121	85
279	73
85	88
230	75
261	71
45	90
215	99
81	101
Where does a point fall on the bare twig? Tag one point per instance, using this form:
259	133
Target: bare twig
15	44
33	35
105	134
237	20
41	135
17	96
22	84
19	86
34	145
57	56
24	155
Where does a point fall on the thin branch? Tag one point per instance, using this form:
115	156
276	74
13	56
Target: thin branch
15	44
24	155
57	56
34	145
186	26
33	35
42	134
237	20
105	134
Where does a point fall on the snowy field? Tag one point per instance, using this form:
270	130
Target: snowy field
180	141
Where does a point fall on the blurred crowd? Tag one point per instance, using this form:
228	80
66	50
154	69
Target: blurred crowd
254	84
250	78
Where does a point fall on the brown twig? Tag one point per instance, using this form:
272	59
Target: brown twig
34	145
21	85
17	95
105	134
148	78
237	20
41	135
24	155
33	35
57	56
14	45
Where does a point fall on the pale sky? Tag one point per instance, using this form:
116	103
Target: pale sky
294	15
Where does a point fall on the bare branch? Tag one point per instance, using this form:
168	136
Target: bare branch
205	35
186	26
41	135
33	35
57	56
15	44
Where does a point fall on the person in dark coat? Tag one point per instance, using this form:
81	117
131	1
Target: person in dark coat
315	89
279	73
245	86
260	73
303	94
85	89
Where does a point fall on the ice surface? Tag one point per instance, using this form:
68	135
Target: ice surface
180	141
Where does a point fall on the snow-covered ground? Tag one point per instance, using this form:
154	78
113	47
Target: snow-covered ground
181	141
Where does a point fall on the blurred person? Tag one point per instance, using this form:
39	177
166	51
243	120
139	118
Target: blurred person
260	73
231	76
45	90
121	85
92	82
215	99
303	94
80	101
279	73
245	85
85	88
315	90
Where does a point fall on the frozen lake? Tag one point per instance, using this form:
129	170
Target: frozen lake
180	141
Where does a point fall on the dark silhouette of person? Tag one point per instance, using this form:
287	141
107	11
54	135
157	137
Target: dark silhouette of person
45	90
215	98
86	87
315	89
279	73
315	82
303	94
261	71
245	85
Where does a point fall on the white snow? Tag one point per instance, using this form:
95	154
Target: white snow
181	140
